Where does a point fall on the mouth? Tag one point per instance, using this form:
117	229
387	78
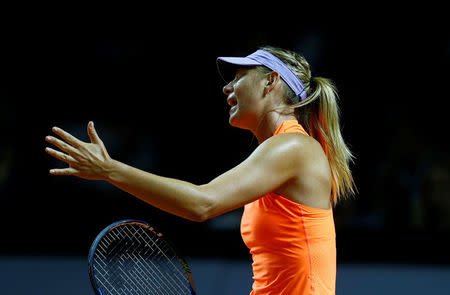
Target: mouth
231	100
233	109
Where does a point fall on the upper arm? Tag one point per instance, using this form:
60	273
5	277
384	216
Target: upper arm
273	163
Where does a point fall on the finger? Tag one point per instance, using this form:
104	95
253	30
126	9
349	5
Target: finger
93	133
64	171
72	140
60	156
62	145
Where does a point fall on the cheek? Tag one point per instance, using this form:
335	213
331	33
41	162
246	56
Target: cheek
246	91
244	96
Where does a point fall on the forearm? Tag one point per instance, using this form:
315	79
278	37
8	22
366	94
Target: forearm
178	197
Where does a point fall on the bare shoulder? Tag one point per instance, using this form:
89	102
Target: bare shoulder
296	144
310	182
294	151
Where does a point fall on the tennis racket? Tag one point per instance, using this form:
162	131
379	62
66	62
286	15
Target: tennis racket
130	257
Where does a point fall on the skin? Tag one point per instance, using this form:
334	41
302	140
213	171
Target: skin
292	165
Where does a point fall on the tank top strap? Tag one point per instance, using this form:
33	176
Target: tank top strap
290	126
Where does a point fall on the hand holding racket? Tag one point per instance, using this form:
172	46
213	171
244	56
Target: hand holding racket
85	160
130	257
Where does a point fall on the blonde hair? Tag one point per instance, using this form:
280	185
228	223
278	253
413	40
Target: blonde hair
319	115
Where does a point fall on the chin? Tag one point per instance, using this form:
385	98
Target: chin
235	122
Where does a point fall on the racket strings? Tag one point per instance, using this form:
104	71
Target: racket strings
134	260
141	278
164	250
161	251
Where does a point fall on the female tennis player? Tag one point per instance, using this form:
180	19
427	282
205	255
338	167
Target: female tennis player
288	185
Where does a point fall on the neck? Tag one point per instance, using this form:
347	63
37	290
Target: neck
269	123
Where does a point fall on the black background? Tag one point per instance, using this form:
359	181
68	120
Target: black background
155	96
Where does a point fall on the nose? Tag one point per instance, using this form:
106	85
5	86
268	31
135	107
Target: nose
228	89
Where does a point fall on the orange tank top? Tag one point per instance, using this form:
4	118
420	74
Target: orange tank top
293	246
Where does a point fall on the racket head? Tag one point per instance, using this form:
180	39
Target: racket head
132	257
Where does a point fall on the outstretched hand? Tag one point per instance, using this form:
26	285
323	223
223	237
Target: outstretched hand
85	160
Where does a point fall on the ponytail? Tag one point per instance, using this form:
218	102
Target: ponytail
319	115
323	125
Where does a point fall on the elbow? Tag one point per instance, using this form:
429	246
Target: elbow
205	209
202	214
199	218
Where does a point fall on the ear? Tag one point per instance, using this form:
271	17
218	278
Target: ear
273	79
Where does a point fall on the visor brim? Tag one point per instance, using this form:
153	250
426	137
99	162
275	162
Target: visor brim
227	66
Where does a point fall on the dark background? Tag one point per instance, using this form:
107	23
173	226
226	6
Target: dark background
155	97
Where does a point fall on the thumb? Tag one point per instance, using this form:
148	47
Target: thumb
92	133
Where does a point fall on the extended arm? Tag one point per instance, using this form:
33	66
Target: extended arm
268	167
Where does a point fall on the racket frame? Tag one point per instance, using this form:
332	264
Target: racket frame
148	226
